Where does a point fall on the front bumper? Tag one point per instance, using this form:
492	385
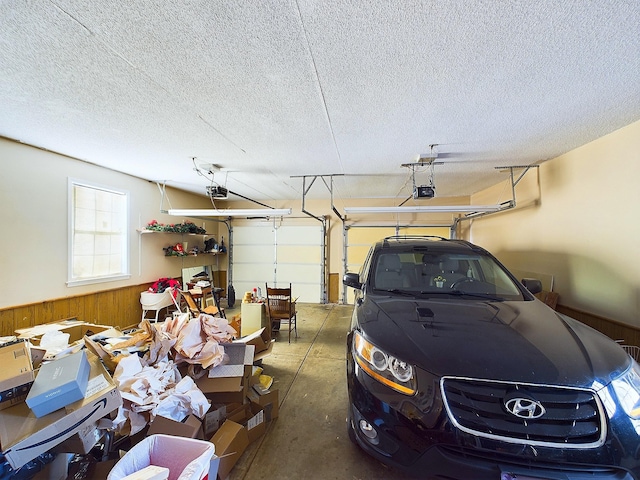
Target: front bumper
422	442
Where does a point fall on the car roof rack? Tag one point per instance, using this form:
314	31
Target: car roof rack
386	240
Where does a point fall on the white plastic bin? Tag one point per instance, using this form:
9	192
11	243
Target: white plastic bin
152	301
186	458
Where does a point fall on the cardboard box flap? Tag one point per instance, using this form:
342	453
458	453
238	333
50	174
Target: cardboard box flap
230	441
260	339
190	427
16	365
237	356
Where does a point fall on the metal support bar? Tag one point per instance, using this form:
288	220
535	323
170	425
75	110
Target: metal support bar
163	195
305	190
508	205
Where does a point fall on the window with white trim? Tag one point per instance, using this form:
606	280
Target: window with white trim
98	234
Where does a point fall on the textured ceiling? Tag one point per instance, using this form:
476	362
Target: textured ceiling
274	90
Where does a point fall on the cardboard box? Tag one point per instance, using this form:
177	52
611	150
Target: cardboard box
255	423
237	412
59	383
16	374
190	427
230	441
82	441
267	399
237	356
213	419
262	342
226	389
222	390
75	328
23	436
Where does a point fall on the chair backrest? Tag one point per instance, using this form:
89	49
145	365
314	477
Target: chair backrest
279	302
191	302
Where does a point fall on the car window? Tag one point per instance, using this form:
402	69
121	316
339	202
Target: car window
449	273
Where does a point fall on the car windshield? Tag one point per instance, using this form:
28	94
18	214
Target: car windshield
447	273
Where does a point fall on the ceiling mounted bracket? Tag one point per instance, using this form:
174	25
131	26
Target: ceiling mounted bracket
511	168
163	195
329	186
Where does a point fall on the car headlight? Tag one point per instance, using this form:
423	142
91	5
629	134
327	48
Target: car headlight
385	368
627	388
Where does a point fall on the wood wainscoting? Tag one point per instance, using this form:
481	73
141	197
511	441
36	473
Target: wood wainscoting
626	334
118	308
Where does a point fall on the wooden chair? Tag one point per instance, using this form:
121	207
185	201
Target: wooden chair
196	310
281	308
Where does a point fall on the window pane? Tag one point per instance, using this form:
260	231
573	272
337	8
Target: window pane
98	234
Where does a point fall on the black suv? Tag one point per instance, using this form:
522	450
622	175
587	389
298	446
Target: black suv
456	370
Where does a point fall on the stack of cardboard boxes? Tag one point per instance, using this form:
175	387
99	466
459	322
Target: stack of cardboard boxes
58	407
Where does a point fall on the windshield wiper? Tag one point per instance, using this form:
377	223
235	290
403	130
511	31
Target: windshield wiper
479	295
397	291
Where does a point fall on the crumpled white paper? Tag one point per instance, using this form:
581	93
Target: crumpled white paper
199	341
54	341
148	391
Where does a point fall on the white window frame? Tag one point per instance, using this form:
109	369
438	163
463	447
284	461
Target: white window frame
124	273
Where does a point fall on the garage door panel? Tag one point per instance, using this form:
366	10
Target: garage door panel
306	293
252	235
288	235
253	253
303	273
242	287
258	272
299	254
279	256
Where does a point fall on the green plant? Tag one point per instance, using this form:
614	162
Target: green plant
185	227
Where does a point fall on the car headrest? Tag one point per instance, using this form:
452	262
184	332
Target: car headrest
390	262
450	265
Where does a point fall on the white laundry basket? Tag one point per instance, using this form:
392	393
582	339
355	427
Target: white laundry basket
152	301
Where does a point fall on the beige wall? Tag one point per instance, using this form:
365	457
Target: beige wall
33	218
577	219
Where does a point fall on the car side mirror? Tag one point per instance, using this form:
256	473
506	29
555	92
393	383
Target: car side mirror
352	280
532	284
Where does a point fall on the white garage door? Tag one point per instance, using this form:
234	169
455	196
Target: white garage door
279	255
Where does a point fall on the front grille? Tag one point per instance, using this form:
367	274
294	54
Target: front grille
572	417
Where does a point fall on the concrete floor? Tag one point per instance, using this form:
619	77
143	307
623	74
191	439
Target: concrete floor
309	438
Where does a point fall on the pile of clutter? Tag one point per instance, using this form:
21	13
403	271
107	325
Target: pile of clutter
187	377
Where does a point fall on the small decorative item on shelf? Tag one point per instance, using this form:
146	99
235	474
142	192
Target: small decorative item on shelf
184	227
210	245
176	250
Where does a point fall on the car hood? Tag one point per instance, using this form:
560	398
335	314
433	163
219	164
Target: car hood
524	341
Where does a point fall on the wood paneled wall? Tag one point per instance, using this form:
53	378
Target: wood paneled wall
629	334
118	307
121	308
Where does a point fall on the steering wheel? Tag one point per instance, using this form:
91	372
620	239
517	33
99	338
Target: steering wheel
462	280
